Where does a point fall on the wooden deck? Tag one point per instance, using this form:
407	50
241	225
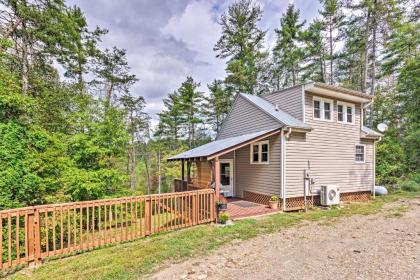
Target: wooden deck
239	208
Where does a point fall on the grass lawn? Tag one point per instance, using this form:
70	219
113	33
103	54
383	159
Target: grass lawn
134	259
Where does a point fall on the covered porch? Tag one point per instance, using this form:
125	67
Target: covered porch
214	166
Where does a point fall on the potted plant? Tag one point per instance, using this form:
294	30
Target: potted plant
274	202
221	204
223	217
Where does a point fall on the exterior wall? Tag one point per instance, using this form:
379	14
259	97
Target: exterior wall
330	148
245	118
288	100
259	178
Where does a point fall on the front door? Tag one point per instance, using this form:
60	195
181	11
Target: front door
226	177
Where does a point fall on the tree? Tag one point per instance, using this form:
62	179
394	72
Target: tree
313	66
217	104
287	53
170	119
138	123
241	43
112	73
332	21
190	104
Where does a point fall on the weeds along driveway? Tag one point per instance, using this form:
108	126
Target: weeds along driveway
134	260
381	246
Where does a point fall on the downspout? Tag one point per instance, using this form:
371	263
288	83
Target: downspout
374	166
283	169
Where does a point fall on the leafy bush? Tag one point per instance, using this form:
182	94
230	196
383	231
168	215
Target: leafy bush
411	184
224	217
274	198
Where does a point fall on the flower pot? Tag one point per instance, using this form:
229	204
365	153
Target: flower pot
273	204
222	207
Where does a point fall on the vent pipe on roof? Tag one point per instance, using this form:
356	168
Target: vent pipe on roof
276	107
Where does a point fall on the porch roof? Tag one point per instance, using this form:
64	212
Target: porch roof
222	146
370	133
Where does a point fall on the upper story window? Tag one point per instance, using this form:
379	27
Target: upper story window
260	152
360	153
323	109
345	112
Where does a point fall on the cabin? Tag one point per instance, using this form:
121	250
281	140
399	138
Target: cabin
288	143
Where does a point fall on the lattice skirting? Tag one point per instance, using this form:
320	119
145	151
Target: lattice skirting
297	203
257	197
355	196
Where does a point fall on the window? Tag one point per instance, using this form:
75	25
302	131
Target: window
360	153
322	109
345	112
340	113
349	114
317	109
260	152
327	111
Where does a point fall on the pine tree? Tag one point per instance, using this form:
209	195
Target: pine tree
241	43
171	120
313	66
112	73
287	53
217	104
191	101
332	21
138	123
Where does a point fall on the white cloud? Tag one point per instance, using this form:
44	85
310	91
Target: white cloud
198	29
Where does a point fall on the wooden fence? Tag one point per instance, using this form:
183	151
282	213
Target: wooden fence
31	234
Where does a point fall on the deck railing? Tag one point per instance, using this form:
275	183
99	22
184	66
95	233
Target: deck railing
34	233
183	185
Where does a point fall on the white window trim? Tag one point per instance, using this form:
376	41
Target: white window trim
321	108
345	105
364	153
260	143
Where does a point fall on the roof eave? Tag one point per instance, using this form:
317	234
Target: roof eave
338	92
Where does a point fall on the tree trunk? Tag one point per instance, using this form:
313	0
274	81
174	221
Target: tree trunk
331	53
133	163
373	74
109	95
159	166
366	53
24	58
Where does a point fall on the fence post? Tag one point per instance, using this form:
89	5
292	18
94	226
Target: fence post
194	208
31	236
37	237
34	238
148	215
212	207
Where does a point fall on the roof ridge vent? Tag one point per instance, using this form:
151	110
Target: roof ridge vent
276	107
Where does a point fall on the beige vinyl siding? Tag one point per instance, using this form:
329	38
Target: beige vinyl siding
288	100
245	118
259	178
330	147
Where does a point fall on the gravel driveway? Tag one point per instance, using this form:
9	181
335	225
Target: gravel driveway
380	246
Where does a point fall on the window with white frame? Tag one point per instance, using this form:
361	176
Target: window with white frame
360	153
260	152
345	112
323	109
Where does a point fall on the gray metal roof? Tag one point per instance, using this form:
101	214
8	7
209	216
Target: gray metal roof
370	131
218	145
279	115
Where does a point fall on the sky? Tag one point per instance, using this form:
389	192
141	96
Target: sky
167	40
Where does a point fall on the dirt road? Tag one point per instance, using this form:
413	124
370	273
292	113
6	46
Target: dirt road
380	246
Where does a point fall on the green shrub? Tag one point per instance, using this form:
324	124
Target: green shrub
411	183
224	217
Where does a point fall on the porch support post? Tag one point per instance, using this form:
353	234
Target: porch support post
217	176
189	171
182	170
